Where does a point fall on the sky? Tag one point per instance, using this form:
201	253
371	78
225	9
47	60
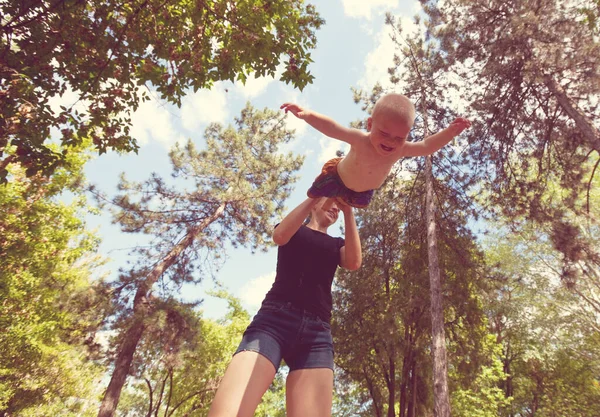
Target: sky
354	50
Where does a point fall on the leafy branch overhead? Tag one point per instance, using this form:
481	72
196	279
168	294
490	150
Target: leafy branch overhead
103	51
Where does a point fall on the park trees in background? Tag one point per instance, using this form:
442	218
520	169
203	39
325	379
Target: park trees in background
549	335
50	307
182	382
547	158
549	326
419	72
100	52
531	78
382	322
228	193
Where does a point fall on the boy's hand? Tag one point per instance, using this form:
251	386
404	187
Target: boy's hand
296	110
458	125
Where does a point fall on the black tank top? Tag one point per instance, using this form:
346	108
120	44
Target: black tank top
306	266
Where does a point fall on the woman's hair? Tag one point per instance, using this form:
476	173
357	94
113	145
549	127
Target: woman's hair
309	217
307	220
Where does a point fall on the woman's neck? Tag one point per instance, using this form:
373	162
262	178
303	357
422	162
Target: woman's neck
312	224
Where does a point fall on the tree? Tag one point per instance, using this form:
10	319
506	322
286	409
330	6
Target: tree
591	14
530	74
103	51
238	184
49	306
425	65
546	320
381	323
182	382
549	336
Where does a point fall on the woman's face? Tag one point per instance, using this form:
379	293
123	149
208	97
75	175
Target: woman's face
326	217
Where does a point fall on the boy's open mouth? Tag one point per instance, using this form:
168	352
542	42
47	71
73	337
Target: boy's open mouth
386	148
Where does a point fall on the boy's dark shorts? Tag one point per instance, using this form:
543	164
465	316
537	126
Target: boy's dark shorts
280	330
329	184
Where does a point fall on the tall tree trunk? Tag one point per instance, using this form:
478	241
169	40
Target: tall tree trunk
407	365
371	388
391	381
392	385
440	368
412	402
590	132
122	364
508	371
140	310
441	396
405	377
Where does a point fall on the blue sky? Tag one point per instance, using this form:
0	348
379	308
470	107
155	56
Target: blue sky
353	50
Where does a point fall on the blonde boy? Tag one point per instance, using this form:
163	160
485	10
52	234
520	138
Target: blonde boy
372	154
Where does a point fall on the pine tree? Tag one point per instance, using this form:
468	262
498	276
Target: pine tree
531	74
238	184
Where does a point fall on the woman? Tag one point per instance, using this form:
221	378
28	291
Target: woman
293	321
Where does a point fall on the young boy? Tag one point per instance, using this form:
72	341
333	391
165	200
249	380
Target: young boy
354	178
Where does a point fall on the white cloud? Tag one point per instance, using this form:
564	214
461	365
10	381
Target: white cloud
364	8
379	60
299	125
203	107
254	87
153	120
68	99
253	292
329	147
381	57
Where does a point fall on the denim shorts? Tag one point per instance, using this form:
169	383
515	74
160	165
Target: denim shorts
280	330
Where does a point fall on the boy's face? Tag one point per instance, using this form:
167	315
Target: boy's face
388	133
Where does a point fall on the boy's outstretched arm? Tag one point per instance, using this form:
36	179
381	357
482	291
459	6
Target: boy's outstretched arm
324	124
437	141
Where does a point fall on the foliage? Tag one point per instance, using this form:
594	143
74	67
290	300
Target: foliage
591	13
550	335
240	169
103	51
49	306
483	397
382	327
400	253
184	385
530	76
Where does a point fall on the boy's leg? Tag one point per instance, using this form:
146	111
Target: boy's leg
247	378
328	183
309	392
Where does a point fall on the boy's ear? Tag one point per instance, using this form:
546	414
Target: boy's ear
369	124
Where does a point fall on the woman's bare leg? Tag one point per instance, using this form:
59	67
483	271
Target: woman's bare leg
309	392
246	379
